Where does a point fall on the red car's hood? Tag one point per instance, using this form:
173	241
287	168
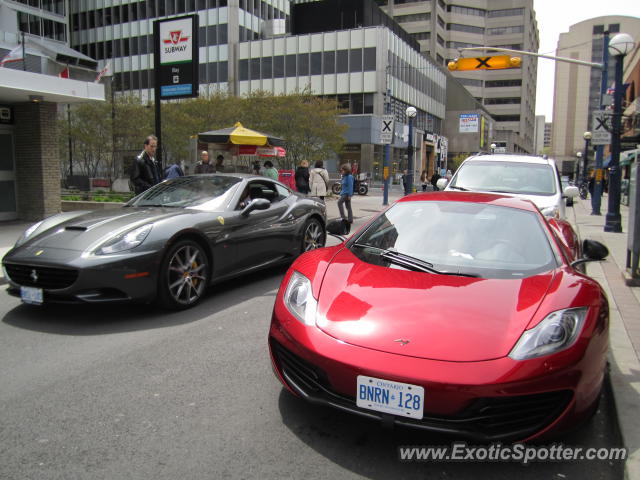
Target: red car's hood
440	317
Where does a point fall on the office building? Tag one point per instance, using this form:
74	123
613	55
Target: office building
577	88
441	27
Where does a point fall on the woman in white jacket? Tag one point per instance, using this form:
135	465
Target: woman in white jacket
318	180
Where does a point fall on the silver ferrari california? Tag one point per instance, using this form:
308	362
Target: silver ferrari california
167	244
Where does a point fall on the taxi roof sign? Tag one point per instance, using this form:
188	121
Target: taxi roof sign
497	62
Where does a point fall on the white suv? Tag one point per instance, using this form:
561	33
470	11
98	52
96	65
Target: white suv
534	178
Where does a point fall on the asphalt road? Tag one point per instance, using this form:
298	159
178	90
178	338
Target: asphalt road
130	392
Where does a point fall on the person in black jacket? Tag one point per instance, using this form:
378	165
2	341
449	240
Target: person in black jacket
302	177
145	171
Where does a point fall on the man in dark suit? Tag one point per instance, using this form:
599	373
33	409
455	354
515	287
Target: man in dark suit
145	171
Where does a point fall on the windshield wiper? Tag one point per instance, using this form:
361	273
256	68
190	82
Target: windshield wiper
409	262
455	187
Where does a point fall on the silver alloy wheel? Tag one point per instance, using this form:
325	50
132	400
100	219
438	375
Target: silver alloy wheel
313	236
187	274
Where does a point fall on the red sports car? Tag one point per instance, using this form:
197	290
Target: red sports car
455	312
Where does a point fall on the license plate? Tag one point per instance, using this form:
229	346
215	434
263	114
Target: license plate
31	295
397	398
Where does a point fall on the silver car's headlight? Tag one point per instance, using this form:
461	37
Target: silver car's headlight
124	241
553	212
558	331
298	298
27	233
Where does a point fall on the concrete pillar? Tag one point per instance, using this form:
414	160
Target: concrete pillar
37	160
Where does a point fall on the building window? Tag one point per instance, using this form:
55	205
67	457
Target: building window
506	118
505	30
502	101
441	22
290	65
266	66
478	12
355	60
342	61
614	28
507	12
416	17
329	62
303	64
316	63
516	82
452	44
421	35
458	27
369	59
278	66
598	29
470	82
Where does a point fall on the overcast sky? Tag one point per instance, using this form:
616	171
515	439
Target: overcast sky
555	17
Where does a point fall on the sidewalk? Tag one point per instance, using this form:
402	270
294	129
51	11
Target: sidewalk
624	315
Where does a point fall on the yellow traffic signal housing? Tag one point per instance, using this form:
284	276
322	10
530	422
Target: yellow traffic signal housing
497	62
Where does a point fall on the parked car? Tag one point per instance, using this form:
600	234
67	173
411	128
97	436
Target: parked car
454	312
525	176
167	244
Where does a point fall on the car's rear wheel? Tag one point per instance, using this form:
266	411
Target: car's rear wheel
184	275
336	188
313	235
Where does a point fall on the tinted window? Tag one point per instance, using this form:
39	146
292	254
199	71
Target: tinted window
186	192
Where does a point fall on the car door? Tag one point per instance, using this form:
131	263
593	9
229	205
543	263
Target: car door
257	236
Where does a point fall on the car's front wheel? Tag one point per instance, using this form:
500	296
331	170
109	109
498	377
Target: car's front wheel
184	275
313	235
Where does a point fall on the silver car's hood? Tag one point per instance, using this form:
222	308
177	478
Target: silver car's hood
86	230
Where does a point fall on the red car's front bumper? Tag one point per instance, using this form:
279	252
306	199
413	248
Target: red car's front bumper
495	400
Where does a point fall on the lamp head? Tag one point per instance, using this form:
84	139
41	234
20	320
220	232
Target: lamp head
411	112
621	44
587	135
579	154
493	145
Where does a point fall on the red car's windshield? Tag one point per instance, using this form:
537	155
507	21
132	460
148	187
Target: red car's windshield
470	238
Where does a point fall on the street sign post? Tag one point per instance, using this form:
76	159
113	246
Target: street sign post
600	135
386	129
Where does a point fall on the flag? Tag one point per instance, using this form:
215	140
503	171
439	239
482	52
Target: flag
103	72
64	73
612	89
13	56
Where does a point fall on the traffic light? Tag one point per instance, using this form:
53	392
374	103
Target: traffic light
497	62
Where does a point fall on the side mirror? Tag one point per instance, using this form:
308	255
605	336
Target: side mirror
338	228
441	183
592	251
256	204
571	191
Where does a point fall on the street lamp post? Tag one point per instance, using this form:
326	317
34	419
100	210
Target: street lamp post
619	46
493	147
579	175
585	156
408	185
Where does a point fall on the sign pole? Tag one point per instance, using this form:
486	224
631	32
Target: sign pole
596	198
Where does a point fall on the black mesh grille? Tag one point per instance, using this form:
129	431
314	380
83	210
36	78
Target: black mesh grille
43	277
485	419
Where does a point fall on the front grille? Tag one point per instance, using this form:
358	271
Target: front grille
49	278
484	419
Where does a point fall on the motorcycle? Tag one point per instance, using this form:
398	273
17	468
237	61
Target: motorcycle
360	186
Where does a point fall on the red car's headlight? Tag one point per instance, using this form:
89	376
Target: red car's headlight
299	300
559	330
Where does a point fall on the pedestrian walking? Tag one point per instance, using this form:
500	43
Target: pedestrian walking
424	180
302	177
346	192
318	180
204	166
145	171
434	181
270	171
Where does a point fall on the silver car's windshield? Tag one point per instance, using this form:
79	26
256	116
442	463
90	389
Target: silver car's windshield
507	177
460	237
185	191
